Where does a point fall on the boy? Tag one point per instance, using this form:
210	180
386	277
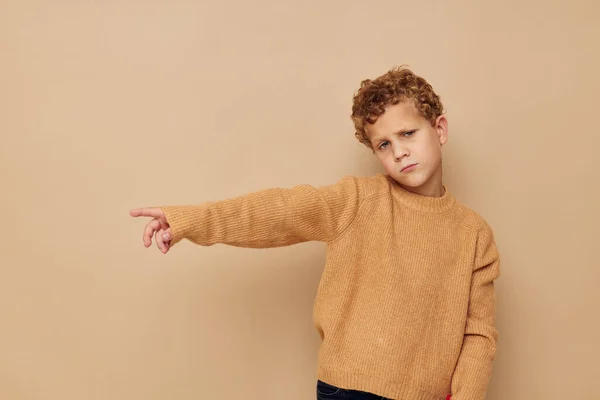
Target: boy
405	306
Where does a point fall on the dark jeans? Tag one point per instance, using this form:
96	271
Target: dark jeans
326	391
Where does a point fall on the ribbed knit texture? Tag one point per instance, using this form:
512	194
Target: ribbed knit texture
405	306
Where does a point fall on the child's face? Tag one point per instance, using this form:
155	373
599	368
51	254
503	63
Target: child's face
410	148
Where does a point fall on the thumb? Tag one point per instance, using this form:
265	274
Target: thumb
167	235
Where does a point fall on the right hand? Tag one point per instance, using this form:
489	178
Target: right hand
157	227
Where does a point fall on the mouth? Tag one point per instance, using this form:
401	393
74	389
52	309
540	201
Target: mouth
409	167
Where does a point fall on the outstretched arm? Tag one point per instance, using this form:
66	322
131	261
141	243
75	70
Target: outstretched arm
267	218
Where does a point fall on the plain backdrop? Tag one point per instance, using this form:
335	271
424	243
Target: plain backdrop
107	106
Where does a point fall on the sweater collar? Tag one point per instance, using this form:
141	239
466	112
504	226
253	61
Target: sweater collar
421	202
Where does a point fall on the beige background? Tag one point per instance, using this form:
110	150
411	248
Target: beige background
111	105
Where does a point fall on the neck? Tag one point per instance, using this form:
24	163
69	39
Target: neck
434	187
434	191
423	198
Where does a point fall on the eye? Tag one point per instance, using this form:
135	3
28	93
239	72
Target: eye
383	145
409	133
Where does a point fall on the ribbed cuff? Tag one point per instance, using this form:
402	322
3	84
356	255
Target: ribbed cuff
179	220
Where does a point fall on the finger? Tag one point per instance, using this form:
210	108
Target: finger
164	237
163	222
160	241
152	227
147	212
168	236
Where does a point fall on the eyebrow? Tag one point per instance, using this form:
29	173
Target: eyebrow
398	132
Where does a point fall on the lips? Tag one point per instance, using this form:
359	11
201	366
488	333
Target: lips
409	167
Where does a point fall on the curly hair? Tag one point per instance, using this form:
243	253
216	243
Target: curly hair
398	84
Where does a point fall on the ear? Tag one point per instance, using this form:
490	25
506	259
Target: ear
441	127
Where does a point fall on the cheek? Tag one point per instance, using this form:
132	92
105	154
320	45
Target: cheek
386	160
436	149
432	150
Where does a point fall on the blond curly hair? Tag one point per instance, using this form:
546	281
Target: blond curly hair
398	84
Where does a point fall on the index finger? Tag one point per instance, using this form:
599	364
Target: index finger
146	212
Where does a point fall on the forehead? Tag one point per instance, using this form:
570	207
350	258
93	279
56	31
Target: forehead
397	117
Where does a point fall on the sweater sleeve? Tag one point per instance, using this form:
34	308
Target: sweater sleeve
269	218
474	367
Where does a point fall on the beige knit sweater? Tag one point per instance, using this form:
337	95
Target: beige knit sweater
405	306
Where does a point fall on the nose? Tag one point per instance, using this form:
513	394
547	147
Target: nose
400	152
